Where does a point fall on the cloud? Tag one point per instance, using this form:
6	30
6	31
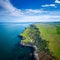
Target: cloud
33	11
10	13
49	5
40	18
57	1
35	18
7	6
10	10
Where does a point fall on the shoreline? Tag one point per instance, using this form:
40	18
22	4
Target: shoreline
28	42
29	45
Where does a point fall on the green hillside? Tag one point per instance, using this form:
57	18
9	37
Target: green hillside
48	32
51	33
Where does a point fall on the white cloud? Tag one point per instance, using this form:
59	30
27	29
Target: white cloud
57	1
10	8
49	5
40	18
35	18
33	11
10	13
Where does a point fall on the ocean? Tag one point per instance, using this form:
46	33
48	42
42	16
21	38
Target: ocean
10	48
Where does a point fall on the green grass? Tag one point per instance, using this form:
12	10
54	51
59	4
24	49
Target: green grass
51	33
25	35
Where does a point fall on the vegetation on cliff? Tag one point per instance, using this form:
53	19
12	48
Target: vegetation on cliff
51	33
49	41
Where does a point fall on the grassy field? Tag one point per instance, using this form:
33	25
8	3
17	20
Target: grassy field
51	33
26	37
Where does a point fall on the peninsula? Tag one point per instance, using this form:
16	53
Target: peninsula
32	37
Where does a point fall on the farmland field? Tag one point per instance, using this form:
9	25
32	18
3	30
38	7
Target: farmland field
51	33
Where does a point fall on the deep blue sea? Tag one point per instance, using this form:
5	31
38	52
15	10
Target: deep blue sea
9	41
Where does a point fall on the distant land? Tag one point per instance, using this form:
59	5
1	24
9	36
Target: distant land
27	22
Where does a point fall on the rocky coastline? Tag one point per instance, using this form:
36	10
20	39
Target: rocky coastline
34	53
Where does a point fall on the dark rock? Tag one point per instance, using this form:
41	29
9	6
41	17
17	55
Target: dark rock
21	37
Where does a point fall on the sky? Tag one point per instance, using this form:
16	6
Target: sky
29	10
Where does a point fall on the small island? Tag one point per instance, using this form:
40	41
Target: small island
32	37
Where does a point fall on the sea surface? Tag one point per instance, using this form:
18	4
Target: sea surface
10	48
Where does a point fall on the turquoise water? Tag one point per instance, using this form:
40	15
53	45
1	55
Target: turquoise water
9	41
